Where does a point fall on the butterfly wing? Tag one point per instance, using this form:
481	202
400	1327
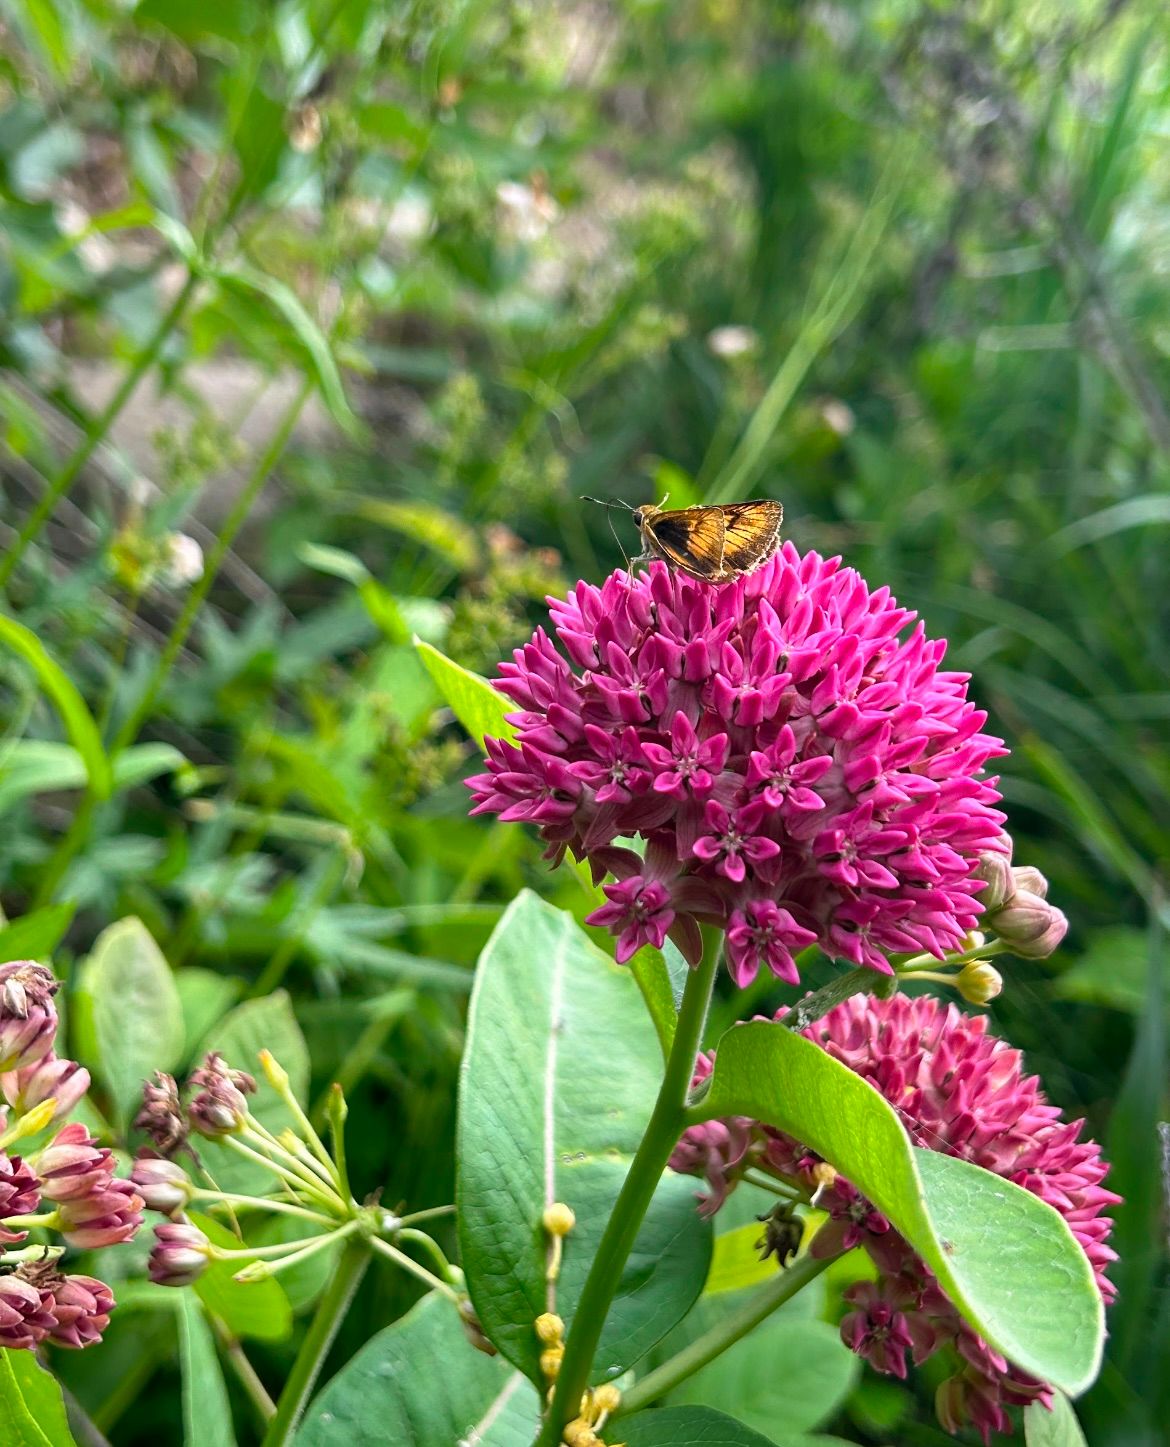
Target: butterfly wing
751	534
689	539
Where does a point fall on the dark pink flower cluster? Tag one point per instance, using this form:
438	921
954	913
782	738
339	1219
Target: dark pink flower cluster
958	1090
800	768
91	1207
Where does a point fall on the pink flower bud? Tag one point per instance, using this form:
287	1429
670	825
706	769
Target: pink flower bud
1030	879
24	1319
161	1116
63	1080
220	1107
73	1165
105	1218
163	1185
19	1194
180	1254
28	1020
81	1307
1029	925
995	870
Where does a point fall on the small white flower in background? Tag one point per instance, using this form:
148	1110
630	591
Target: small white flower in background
733	341
838	416
184	561
410	220
140	490
528	210
96	251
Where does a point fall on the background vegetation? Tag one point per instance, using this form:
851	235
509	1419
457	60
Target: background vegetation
360	296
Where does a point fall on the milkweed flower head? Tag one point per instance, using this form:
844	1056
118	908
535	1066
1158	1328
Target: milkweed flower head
960	1090
789	748
73	1176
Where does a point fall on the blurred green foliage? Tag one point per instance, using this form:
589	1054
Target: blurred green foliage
354	298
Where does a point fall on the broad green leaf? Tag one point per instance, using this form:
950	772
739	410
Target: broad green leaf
819	1373
204	996
257	1309
560	1071
133	1010
688	1427
264	1024
35	936
207	1413
1056	1428
61	690
473	701
420	1383
1006	1259
35	766
196	19
32	1412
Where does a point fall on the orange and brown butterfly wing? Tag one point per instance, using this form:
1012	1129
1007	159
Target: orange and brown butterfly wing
715	544
751	534
689	539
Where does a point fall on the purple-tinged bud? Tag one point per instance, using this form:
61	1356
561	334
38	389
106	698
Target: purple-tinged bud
81	1307
180	1254
979	983
105	1218
163	1185
1030	926
995	870
24	1319
1029	879
19	1194
161	1116
220	1107
28	1020
73	1165
62	1080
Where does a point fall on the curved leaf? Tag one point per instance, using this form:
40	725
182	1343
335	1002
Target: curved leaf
56	683
420	1383
472	699
31	1408
559	1075
1056	1428
689	1427
1007	1260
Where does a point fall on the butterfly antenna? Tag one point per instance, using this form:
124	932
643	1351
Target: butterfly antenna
609	503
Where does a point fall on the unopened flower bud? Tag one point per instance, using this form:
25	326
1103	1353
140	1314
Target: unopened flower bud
1029	925
161	1116
28	1019
220	1107
79	1305
180	1255
606	1398
49	1078
995	870
558	1219
550	1329
550	1362
979	982
19	1194
163	1185
105	1218
24	1319
1030	879
823	1174
580	1433
73	1165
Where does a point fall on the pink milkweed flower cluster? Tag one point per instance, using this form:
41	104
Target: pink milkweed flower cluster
959	1090
90	1206
800	767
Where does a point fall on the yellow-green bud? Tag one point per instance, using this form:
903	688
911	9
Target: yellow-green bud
558	1219
979	982
550	1329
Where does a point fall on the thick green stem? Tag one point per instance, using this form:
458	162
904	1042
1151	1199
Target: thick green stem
662	1133
723	1334
96	432
330	1313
